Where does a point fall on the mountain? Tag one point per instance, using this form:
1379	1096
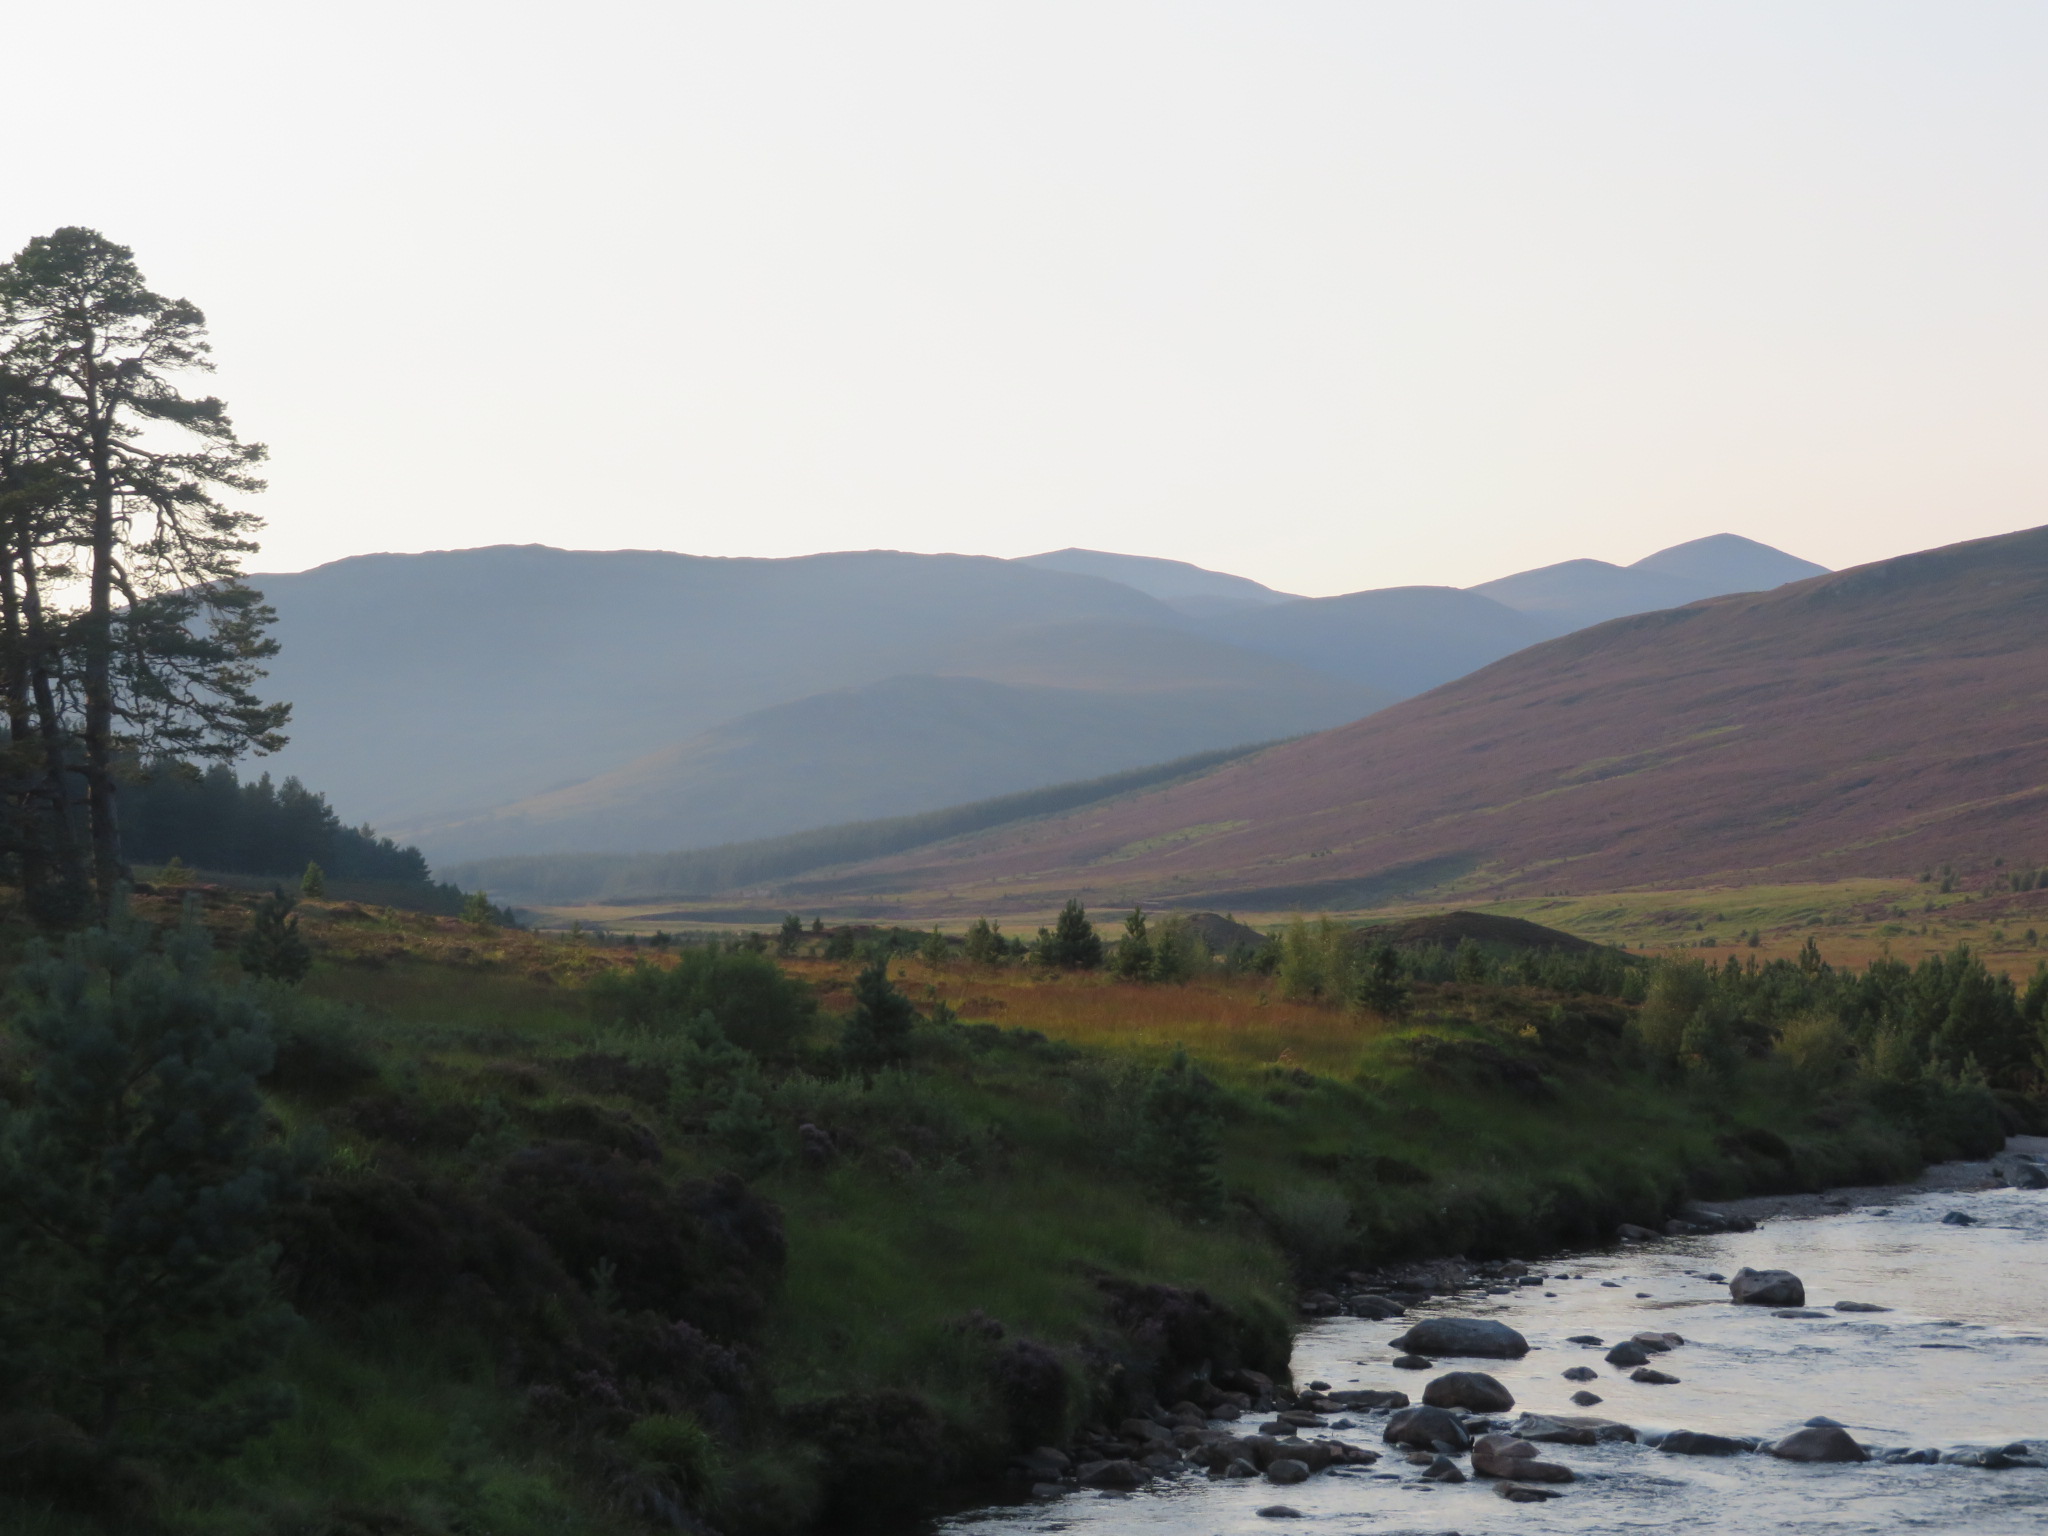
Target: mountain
1190	589
1575	593
430	684
893	748
1875	721
471	700
1400	640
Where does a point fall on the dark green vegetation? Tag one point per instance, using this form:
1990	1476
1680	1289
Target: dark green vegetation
594	1239
562	878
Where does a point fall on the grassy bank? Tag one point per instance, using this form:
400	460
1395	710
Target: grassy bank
575	1258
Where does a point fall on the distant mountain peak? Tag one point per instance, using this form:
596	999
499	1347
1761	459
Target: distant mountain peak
1729	558
1191	588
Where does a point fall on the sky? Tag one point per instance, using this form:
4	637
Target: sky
1332	295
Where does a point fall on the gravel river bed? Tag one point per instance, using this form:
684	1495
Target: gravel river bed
1957	1363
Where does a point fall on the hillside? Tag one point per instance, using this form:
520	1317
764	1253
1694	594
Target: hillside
507	700
1878	720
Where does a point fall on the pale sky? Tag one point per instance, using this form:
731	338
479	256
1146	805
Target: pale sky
1333	295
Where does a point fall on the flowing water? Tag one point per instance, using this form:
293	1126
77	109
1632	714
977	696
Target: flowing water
1960	1360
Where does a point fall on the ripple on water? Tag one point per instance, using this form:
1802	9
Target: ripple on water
1955	1362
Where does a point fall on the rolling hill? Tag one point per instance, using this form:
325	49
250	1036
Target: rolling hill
1877	720
1574	593
513	700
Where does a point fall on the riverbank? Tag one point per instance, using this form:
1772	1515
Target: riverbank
576	1256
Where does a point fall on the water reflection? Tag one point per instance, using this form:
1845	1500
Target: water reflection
1961	1358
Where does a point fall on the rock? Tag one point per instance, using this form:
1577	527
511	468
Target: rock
1524	1493
1047	1490
2024	1175
1796	1312
1238	1467
1658	1343
1822	1421
1319	1386
1913	1458
1469	1389
1442	1470
1463	1336
1958	1219
1118	1476
1279	1512
1582	1373
1374	1308
1859	1306
1511	1457
1687	1442
1140	1431
1629	1232
1652	1378
1827	1442
1427	1429
1044	1465
1628	1352
1767	1288
1587	1399
1545	1430
1372	1401
1299	1419
1413	1363
1592	1339
1287	1470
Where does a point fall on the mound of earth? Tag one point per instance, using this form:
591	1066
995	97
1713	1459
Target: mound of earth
1450	929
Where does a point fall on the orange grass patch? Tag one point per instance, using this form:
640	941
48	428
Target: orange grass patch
1241	1019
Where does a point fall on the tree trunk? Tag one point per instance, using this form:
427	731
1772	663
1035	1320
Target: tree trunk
66	889
99	646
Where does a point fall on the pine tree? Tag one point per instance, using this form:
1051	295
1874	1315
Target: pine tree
934	951
136	1186
877	1032
477	909
272	946
984	942
789	936
313	883
1072	943
1179	1147
1134	954
1381	987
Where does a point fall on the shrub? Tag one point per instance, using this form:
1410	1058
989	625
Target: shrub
984	944
757	1006
877	1032
1179	1148
1072	943
1179	953
138	1181
1134	954
1315	961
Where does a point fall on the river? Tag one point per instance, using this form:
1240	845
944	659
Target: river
1960	1360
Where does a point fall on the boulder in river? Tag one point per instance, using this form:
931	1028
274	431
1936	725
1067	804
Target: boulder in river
1658	1343
1587	1399
1582	1373
1443	1470
1118	1476
1427	1429
1652	1378
1819	1443
1959	1219
1472	1336
1512	1457
1468	1389
1627	1353
1859	1306
1279	1512
1525	1493
1629	1232
1689	1442
1572	1428
1287	1470
1767	1288
1414	1363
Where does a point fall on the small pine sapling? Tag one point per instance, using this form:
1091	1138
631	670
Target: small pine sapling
313	883
477	909
1134	954
984	944
1382	989
789	935
272	946
877	1032
1179	1138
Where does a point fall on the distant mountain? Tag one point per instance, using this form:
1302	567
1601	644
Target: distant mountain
1189	588
487	701
893	748
1401	640
1877	721
1574	593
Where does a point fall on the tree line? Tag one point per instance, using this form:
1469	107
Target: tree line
126	631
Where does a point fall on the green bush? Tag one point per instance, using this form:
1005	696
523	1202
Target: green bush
756	1006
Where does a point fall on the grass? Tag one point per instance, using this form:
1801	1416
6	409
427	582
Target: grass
994	1176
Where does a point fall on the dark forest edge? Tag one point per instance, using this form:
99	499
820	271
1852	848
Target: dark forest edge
537	1234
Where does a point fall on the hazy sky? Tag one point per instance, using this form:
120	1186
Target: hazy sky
1332	295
